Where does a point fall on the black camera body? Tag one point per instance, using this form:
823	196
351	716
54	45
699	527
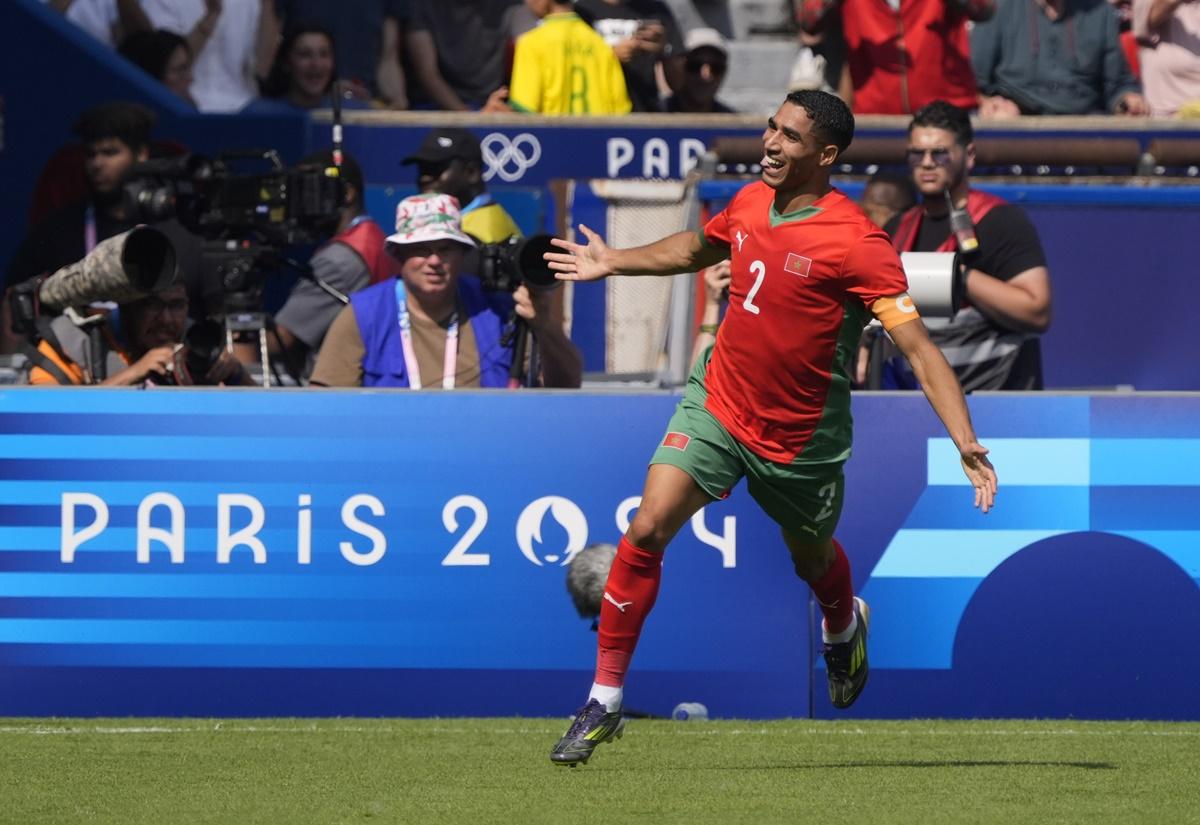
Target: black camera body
281	205
502	267
203	343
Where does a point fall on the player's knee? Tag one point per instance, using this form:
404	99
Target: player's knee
649	532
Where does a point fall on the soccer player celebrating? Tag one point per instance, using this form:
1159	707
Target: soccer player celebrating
771	399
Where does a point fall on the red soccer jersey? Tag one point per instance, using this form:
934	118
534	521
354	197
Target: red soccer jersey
803	286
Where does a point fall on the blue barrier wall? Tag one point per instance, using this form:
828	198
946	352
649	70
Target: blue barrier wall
247	552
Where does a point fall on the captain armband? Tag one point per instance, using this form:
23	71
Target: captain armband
895	310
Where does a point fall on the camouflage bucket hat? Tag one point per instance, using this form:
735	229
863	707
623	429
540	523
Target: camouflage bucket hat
429	217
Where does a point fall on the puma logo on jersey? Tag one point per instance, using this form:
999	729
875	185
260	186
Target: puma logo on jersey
619	605
741	238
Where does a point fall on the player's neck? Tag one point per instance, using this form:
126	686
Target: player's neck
797	199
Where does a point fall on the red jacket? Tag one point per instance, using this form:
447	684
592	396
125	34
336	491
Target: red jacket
900	61
367	239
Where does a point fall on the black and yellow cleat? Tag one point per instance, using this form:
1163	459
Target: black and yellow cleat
846	662
593	725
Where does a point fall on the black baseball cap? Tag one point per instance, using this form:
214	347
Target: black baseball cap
443	145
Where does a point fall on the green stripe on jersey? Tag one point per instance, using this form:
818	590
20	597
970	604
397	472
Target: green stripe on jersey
831	439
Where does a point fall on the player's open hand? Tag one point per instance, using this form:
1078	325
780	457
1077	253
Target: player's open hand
981	473
579	262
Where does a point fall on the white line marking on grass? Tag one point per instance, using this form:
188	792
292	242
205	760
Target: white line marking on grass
1117	729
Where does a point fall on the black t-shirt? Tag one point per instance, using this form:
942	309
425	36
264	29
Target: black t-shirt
472	41
985	354
619	22
1008	242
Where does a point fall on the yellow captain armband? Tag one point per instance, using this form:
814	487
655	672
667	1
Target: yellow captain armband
895	310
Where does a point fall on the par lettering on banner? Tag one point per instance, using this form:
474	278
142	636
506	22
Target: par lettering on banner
655	155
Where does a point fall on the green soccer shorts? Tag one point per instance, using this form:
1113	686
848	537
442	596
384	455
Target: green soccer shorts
804	499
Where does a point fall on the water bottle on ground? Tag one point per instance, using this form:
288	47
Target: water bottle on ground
690	712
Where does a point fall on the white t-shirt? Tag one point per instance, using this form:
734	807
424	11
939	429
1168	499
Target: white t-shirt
96	17
224	69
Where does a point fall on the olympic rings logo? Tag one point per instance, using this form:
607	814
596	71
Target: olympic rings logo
509	159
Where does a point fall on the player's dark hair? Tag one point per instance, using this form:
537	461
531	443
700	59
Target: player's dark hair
830	116
943	115
129	123
351	171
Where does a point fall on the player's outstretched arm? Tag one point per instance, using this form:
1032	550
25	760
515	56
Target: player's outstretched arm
681	252
946	397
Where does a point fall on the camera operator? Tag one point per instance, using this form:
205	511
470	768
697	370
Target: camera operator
149	349
992	343
450	161
432	326
350	261
116	137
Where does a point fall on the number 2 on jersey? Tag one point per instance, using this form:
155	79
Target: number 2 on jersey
759	270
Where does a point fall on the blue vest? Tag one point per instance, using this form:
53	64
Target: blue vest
376	312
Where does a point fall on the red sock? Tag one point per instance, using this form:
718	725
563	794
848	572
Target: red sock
835	592
629	595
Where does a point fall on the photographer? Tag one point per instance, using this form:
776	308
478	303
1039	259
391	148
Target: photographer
149	350
992	343
450	161
348	262
433	326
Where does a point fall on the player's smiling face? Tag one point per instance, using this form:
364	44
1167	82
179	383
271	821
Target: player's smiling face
792	154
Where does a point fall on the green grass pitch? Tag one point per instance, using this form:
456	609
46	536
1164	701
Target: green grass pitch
160	771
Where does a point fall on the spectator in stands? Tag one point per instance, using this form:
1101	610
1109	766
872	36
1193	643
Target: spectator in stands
705	63
903	55
450	331
458	53
233	42
148	350
1124	10
109	21
163	55
368	43
115	137
886	195
350	261
820	62
1053	57
450	161
1169	34
303	75
563	67
992	343
644	35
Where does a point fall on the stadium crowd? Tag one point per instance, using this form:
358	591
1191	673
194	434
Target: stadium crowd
954	58
1003	58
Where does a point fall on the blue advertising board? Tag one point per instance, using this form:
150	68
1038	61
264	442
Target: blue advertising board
223	552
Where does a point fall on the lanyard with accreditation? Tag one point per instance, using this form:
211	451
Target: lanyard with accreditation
410	355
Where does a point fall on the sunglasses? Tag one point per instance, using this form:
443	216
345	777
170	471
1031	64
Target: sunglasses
915	157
